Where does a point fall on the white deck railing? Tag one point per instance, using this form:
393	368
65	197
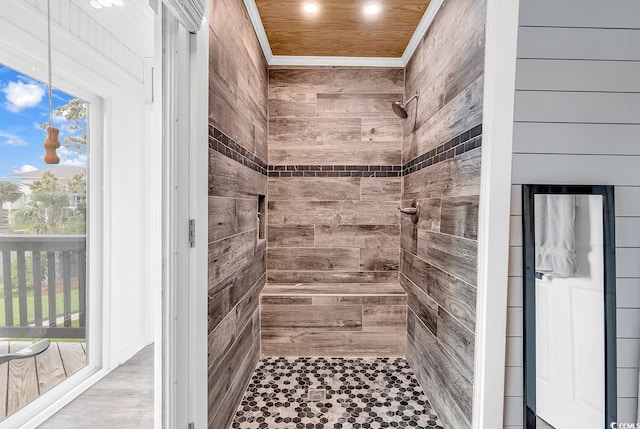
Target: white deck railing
43	283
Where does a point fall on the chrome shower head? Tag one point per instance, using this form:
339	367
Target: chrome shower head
400	108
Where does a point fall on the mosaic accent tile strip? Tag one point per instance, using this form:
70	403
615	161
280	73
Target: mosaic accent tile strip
225	145
352	393
335	170
458	145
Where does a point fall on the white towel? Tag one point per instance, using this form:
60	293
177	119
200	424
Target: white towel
555	235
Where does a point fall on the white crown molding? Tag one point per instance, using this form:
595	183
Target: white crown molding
254	15
286	60
421	29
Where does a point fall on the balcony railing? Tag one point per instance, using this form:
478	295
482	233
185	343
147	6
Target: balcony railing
43	286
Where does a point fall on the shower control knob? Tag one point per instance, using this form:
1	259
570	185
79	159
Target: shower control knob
409	210
414	210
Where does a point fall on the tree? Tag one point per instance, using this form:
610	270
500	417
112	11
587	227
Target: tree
75	113
47	182
9	193
58	206
77	184
49	211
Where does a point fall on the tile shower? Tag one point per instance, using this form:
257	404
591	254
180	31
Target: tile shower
366	393
345	314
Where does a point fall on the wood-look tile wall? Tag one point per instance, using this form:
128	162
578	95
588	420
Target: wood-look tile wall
317	322
238	77
438	266
334	115
334	229
238	80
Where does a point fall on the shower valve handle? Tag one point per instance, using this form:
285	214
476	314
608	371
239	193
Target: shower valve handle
413	210
409	210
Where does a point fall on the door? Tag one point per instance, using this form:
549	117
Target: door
570	333
185	118
44	212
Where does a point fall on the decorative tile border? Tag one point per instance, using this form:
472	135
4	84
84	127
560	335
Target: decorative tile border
335	170
458	145
225	145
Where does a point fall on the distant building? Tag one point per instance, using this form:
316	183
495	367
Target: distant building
26	180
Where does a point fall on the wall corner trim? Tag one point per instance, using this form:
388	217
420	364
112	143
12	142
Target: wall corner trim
421	29
493	222
254	15
286	60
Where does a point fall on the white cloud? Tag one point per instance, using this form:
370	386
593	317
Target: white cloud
80	161
12	139
26	168
71	158
16	142
20	95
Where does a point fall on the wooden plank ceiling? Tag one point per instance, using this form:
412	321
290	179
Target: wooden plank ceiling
340	27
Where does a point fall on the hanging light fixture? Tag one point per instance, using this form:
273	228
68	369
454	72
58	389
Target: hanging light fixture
51	143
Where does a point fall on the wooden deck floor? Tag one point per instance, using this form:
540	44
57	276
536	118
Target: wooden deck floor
21	381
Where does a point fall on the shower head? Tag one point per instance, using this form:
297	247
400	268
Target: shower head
399	108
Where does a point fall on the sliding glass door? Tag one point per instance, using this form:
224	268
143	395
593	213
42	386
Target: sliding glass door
43	239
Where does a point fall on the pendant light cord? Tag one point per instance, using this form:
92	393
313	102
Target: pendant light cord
50	73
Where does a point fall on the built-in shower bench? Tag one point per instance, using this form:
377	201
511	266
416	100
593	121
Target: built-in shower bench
333	319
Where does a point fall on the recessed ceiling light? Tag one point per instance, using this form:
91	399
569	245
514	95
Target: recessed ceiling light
310	7
105	3
117	2
95	4
371	9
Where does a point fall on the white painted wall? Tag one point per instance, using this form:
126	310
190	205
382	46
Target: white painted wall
90	59
577	121
493	237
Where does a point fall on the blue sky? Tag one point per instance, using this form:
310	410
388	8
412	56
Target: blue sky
24	105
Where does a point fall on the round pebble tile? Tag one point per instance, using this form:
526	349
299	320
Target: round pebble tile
356	393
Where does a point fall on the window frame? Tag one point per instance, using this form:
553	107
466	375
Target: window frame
98	243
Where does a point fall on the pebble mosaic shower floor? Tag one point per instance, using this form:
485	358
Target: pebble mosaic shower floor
334	393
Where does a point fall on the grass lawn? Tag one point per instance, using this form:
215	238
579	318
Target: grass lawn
45	307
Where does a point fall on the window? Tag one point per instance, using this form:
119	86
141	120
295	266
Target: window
43	240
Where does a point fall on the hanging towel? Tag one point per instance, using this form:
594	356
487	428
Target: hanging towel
555	235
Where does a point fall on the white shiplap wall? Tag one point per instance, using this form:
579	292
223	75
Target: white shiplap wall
577	121
80	25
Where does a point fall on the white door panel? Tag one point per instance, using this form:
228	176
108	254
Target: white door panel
570	332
